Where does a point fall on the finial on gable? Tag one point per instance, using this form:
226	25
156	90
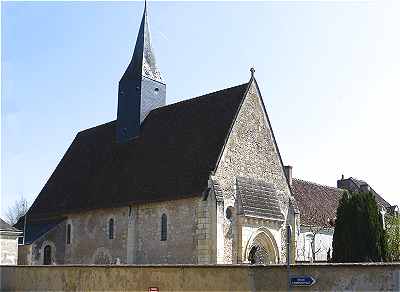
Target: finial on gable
252	70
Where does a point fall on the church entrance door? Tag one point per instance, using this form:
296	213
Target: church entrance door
262	248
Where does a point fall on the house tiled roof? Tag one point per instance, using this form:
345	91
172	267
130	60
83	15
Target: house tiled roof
258	199
4	226
317	203
380	201
178	147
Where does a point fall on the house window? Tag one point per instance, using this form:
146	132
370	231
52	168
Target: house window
163	227
68	233
47	255
111	228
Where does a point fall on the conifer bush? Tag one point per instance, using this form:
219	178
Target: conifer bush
359	235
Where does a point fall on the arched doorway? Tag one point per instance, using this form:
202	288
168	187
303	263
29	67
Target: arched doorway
47	255
258	255
262	248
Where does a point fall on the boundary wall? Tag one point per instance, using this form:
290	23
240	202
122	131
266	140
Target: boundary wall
329	277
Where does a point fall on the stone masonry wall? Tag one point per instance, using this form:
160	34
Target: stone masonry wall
329	277
90	242
25	254
137	235
250	152
182	232
55	238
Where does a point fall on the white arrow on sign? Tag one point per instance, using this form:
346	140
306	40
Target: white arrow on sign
302	281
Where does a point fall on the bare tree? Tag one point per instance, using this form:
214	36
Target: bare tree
17	210
311	232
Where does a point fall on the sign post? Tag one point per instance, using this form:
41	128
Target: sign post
288	240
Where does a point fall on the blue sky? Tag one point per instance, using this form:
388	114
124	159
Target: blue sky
329	74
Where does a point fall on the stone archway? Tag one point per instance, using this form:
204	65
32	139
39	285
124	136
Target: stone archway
262	248
47	253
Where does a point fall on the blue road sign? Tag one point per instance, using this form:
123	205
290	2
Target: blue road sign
302	281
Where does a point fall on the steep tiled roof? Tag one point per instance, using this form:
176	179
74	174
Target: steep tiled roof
172	158
317	203
258	199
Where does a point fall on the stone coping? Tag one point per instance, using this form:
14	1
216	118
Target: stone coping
372	264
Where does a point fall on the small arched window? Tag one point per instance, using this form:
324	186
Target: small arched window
111	228
163	227
68	233
47	255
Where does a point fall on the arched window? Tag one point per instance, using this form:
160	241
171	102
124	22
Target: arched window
163	227
111	228
47	255
68	233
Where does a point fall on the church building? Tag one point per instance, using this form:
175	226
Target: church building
200	181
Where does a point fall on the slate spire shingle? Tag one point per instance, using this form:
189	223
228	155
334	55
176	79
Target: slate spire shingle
141	88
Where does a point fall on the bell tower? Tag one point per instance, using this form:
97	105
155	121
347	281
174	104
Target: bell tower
141	88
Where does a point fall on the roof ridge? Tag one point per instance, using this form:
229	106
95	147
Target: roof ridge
192	99
318	184
94	127
189	100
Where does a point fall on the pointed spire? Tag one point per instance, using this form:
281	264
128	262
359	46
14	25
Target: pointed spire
150	68
141	88
143	60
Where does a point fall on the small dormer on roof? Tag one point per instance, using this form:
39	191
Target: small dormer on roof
141	88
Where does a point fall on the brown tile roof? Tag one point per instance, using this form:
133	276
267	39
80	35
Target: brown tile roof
178	147
317	203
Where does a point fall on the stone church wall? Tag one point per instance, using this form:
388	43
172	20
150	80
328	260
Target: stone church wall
90	243
56	239
145	245
137	235
250	152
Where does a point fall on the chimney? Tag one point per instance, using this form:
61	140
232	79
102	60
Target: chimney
288	173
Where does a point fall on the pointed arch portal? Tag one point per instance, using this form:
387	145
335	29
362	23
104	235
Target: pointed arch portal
262	248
